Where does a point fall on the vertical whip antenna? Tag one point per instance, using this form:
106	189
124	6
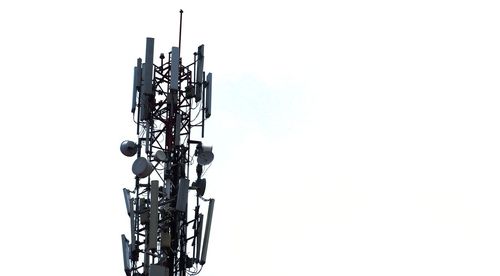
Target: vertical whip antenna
180	30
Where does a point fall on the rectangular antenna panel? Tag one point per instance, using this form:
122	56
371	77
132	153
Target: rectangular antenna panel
207	231
174	69
143	212
126	195
190	90
182	195
138	74
148	67
153	216
166	240
167	188
158	270
148	137
208	98
132	226
198	238
144	99
137	83
177	131
126	254
199	73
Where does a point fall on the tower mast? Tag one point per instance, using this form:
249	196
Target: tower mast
165	235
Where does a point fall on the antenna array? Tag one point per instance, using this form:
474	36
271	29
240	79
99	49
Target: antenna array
168	98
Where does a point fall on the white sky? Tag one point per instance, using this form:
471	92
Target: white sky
350	137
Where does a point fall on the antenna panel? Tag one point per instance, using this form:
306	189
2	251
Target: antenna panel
199	73
153	216
182	195
126	195
148	137
167	188
146	98
174	69
177	134
208	99
207	231
126	255
148	67
137	83
166	239
158	270
198	238
132	226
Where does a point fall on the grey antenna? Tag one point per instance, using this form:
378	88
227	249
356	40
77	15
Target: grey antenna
128	148
208	105
205	155
207	231
160	156
177	135
148	67
174	69
167	188
132	226
126	255
142	167
158	270
137	83
199	73
200	186
198	238
153	216
182	195
148	139
126	195
146	99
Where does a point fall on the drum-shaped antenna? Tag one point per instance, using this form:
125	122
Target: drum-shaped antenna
128	148
142	167
200	185
205	155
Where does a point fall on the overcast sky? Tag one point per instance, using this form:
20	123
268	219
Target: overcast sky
350	137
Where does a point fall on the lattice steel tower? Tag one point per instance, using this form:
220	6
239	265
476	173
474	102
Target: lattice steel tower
170	100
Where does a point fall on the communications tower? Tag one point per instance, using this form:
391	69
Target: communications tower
171	99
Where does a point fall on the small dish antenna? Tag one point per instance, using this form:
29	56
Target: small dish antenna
160	156
128	148
200	185
142	167
205	155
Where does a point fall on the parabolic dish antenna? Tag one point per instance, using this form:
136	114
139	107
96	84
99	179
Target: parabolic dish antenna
142	167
